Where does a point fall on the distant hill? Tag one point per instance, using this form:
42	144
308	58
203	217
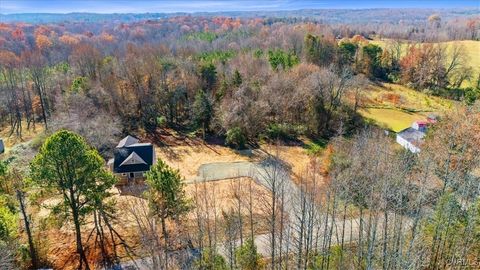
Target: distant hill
381	15
74	17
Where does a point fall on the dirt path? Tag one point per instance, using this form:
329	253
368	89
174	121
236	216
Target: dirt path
264	173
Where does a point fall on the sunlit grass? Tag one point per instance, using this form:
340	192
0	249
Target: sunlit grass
401	97
392	119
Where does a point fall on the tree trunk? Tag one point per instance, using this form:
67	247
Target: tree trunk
26	220
165	238
78	232
385	239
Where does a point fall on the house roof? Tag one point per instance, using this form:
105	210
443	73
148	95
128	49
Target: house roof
421	122
412	135
127	141
133	158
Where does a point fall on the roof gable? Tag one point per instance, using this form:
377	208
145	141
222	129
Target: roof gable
127	141
139	158
133	159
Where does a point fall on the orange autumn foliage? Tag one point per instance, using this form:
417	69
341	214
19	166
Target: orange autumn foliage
107	37
43	42
8	59
41	30
69	40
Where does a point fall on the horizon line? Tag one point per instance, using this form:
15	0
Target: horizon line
232	11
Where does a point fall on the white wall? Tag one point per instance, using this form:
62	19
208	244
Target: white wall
407	145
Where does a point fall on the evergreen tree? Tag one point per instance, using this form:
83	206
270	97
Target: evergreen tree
210	260
237	78
248	258
202	111
166	196
66	164
208	73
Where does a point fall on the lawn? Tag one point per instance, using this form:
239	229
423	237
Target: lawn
392	119
395	107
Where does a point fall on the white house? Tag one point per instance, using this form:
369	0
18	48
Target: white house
412	138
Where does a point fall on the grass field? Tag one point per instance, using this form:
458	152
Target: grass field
388	95
392	119
471	49
395	107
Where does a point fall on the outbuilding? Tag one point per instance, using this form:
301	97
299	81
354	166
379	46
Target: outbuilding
412	138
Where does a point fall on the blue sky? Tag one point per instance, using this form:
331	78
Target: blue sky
142	6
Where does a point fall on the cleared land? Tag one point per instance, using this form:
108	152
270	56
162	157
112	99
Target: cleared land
395	107
12	140
392	119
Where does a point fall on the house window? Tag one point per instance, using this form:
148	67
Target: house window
131	175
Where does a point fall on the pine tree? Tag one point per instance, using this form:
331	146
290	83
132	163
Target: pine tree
67	164
166	196
237	78
202	111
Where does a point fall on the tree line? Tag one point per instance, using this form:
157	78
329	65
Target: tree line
187	80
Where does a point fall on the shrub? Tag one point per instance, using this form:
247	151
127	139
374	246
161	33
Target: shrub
337	259
471	95
8	223
284	131
161	121
38	140
210	260
80	84
236	138
248	258
258	53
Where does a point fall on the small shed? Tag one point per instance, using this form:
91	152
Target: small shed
2	146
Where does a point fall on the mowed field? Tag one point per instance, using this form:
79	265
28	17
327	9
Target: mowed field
395	107
392	119
471	49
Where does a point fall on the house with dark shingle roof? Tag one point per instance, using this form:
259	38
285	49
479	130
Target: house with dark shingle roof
132	160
